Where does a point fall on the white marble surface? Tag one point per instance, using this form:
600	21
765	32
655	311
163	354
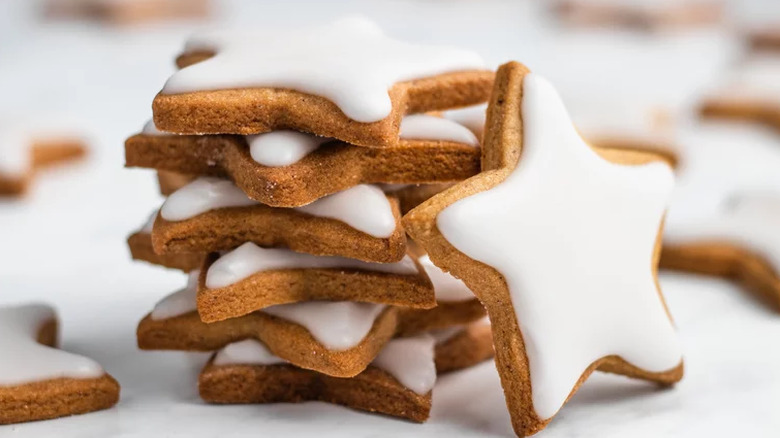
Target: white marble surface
64	243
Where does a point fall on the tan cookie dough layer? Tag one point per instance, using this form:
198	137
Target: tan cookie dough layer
372	390
333	167
140	245
269	288
283	338
227	228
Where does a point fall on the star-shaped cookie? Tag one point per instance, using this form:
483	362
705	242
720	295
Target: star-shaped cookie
560	243
723	216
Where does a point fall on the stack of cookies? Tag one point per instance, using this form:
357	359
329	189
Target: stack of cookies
288	160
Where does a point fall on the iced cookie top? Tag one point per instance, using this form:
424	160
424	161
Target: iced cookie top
349	62
25	360
409	360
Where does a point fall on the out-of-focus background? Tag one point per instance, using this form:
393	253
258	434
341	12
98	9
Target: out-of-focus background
64	241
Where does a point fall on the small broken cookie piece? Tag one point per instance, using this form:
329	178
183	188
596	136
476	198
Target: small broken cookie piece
250	278
140	245
538	236
38	381
463	347
295	79
398	382
23	153
740	242
751	94
455	305
127	12
335	338
291	169
641	15
212	214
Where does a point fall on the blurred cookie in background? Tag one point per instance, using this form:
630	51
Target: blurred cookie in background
127	12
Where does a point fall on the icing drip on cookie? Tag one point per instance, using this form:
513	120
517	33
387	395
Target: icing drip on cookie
338	326
446	287
202	195
363	207
574	237
409	360
179	302
282	148
349	62
425	127
25	360
247	352
249	259
746	220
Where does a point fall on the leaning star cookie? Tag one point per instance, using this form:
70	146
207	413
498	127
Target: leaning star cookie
297	79
455	304
721	217
140	245
290	169
336	338
752	94
398	382
22	153
38	381
250	278
539	235
212	214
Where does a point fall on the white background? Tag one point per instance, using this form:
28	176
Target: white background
64	243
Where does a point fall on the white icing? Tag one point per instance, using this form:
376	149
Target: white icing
202	195
249	259
337	325
180	302
349	62
472	117
758	78
727	189
151	129
246	352
26	361
446	287
410	361
574	236
443	335
425	127
282	148
748	220
363	207
15	158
